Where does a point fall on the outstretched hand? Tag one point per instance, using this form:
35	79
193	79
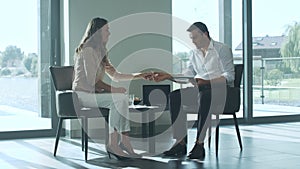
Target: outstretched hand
161	76
147	75
155	76
118	90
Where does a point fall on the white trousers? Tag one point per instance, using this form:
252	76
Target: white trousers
117	103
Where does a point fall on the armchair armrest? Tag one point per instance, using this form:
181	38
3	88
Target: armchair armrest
66	103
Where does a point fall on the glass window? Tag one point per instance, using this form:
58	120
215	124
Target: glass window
276	75
24	62
206	11
237	40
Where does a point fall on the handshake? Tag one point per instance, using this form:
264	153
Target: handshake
155	76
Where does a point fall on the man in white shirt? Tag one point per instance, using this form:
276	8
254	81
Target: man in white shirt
211	66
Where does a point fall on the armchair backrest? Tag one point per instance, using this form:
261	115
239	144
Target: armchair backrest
66	100
233	99
238	70
62	77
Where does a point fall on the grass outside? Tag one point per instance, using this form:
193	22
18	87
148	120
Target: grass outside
288	93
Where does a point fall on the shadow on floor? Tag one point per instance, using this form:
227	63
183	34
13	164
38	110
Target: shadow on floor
146	163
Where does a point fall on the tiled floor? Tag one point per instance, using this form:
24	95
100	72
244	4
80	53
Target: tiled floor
268	146
34	121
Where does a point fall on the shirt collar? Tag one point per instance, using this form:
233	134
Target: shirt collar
211	44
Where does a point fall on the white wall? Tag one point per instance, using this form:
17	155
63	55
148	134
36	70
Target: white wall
140	33
140	40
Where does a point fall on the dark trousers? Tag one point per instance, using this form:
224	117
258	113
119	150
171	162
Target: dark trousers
194	99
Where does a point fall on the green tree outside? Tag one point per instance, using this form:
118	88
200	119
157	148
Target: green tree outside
179	61
274	77
30	62
291	48
14	57
11	55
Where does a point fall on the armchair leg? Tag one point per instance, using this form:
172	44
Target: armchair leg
60	121
106	131
85	125
217	134
82	134
209	132
237	131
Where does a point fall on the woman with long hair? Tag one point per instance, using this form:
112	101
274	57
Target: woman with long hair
91	64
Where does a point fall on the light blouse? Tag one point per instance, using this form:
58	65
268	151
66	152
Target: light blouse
89	70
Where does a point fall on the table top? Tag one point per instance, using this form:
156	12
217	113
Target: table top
142	107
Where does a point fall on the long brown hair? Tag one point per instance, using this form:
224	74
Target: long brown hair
94	25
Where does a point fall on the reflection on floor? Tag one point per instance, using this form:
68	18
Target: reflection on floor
268	146
29	120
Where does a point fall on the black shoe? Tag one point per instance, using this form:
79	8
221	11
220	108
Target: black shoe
177	150
198	152
118	157
131	154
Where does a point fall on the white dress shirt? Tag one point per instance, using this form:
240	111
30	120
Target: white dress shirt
217	62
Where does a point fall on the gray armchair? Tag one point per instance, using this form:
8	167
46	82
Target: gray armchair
69	107
232	105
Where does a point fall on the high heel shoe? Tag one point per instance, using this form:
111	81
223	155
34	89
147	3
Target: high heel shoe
118	157
131	153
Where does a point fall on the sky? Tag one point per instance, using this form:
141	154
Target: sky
269	17
19	22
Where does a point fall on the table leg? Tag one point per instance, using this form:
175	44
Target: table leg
151	132
144	126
